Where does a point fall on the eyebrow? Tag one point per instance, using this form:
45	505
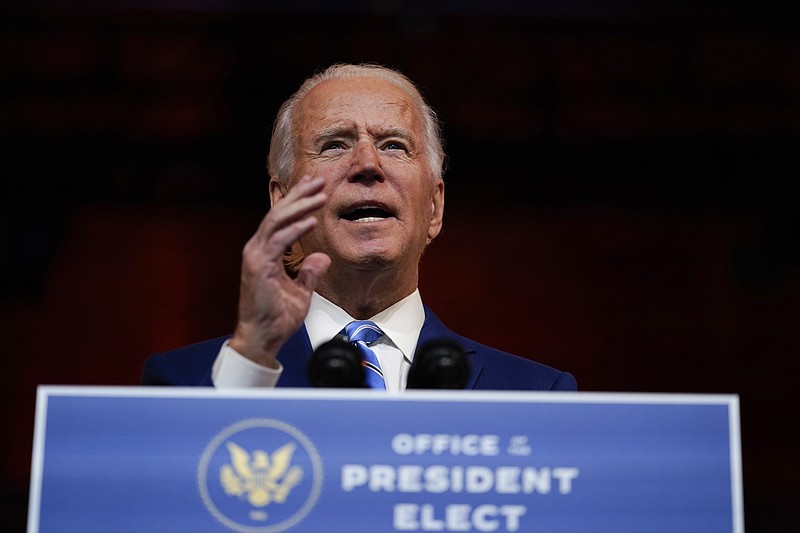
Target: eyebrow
335	131
396	132
349	131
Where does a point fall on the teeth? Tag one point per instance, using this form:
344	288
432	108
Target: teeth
366	213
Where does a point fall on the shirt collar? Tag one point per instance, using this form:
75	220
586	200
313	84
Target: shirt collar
401	322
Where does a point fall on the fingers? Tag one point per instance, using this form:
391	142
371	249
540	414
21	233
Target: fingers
311	271
280	240
290	217
300	201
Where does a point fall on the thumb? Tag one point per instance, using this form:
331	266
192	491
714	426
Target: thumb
313	268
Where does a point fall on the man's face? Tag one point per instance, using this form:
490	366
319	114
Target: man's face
365	137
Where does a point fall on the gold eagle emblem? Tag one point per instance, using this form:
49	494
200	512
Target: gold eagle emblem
261	478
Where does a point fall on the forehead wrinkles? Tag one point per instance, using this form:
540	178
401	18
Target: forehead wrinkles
327	106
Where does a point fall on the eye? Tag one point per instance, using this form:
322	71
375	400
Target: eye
333	145
395	145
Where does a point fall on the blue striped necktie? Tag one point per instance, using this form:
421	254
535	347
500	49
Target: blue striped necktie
362	333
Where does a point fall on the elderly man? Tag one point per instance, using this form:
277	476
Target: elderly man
356	195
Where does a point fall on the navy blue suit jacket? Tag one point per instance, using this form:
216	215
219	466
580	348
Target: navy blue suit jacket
491	369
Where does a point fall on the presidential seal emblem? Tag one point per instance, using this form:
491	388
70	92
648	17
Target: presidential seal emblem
260	476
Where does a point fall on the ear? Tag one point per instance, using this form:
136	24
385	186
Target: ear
437	207
277	191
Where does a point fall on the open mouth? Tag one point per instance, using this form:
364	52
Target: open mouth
366	213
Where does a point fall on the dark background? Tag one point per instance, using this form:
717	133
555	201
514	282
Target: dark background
622	191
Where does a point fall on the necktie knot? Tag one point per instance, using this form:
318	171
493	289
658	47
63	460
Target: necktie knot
362	333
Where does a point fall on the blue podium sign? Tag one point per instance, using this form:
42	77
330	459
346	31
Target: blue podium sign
170	459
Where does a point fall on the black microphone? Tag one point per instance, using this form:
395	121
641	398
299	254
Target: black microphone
336	364
439	364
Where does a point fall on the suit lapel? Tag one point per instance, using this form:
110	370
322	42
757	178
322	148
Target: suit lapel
294	356
433	328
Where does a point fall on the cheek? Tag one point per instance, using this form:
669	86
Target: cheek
333	173
423	217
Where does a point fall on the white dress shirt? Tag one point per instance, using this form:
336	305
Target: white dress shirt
400	323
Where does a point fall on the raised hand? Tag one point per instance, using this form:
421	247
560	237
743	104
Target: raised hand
272	305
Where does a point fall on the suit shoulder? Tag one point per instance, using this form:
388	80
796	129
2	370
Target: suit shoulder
501	370
494	369
189	365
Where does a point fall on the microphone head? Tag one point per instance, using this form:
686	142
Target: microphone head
336	364
439	364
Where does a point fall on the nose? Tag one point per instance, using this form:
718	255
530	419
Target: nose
366	164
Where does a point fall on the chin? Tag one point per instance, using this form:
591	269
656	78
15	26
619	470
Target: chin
371	258
371	262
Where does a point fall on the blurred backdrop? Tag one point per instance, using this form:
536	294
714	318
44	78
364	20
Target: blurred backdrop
622	190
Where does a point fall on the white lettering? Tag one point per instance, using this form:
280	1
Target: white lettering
405	517
470	445
382	477
439	444
403	444
436	479
565	477
457	479
427	520
481	518
479	479
507	481
457	517
536	480
353	476
490	445
422	443
409	478
512	514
